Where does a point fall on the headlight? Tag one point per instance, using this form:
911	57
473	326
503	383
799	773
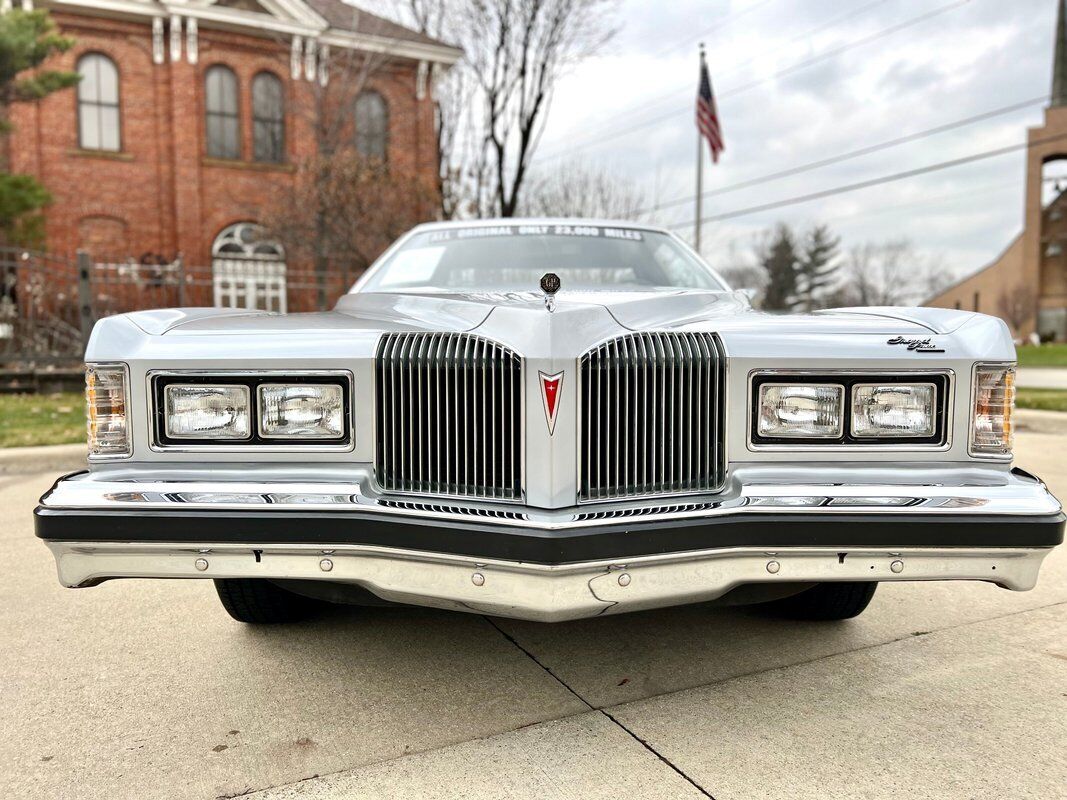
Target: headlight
306	411
105	403
800	411
893	410
196	411
994	402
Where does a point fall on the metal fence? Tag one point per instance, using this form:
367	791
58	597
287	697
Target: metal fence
49	302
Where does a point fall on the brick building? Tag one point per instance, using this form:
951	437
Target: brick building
191	115
1027	283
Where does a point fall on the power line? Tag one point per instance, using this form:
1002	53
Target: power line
730	19
852	187
836	159
581	145
663	101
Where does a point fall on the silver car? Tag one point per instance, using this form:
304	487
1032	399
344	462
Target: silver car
549	419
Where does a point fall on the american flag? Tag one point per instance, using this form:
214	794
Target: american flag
707	115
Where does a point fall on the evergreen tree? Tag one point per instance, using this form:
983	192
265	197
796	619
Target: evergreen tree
27	39
817	267
780	261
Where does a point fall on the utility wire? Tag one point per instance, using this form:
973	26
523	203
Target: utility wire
664	101
852	187
863	151
588	142
693	37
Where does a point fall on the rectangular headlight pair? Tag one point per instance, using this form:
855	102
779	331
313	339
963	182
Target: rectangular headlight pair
870	410
224	412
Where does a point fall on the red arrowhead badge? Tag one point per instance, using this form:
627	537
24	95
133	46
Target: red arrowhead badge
551	386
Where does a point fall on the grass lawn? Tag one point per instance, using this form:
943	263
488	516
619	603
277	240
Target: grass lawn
32	419
1046	355
1045	399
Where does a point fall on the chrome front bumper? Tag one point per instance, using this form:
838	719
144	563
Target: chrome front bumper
548	565
547	593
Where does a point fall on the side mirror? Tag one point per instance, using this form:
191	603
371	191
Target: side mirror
748	292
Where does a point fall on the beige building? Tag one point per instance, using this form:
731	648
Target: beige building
1027	283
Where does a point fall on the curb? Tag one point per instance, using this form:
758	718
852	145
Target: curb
1034	420
50	458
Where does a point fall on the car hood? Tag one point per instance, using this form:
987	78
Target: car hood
578	322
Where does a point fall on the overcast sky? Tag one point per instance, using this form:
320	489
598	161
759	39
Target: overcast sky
975	56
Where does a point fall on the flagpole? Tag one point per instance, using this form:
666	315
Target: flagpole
700	176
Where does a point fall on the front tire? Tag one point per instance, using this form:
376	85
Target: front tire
826	601
260	602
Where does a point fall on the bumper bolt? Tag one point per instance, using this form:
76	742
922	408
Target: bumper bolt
478	579
624	579
897	566
326	565
773	567
200	564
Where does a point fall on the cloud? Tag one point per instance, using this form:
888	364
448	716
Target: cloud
632	109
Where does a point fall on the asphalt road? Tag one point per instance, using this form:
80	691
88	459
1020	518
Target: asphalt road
139	689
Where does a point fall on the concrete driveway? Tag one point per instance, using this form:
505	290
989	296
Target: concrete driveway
142	689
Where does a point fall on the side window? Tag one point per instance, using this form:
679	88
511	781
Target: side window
223	116
372	126
98	103
268	118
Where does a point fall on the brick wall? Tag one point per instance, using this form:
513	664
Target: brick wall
161	195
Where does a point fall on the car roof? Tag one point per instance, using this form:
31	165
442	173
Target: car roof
498	221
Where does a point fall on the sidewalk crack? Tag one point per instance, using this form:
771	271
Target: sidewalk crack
607	715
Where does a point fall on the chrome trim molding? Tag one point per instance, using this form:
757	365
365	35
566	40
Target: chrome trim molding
948	404
237	446
1017	497
539	592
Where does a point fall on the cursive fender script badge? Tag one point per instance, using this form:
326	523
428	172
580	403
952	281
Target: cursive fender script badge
917	345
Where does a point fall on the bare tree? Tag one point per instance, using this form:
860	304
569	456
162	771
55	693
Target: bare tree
576	190
451	90
323	220
370	203
878	274
1017	306
516	52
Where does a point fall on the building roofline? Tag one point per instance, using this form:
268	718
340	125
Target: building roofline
989	265
310	24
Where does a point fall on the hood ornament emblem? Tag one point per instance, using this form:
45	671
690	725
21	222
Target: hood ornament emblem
551	388
550	285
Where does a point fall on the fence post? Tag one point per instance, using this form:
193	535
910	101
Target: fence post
181	280
85	296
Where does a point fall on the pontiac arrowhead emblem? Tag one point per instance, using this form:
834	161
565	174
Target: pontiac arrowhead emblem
551	387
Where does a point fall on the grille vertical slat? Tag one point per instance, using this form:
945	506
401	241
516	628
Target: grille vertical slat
652	410
448	416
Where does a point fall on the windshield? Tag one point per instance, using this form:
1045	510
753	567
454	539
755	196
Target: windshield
514	257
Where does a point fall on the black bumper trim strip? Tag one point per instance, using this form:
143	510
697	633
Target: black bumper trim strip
550	546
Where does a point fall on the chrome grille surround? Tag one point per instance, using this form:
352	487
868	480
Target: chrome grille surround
449	416
651	413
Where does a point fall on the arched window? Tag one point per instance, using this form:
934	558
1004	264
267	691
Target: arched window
98	103
372	126
248	268
268	118
223	117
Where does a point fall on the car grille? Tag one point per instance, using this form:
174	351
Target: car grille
652	416
449	416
